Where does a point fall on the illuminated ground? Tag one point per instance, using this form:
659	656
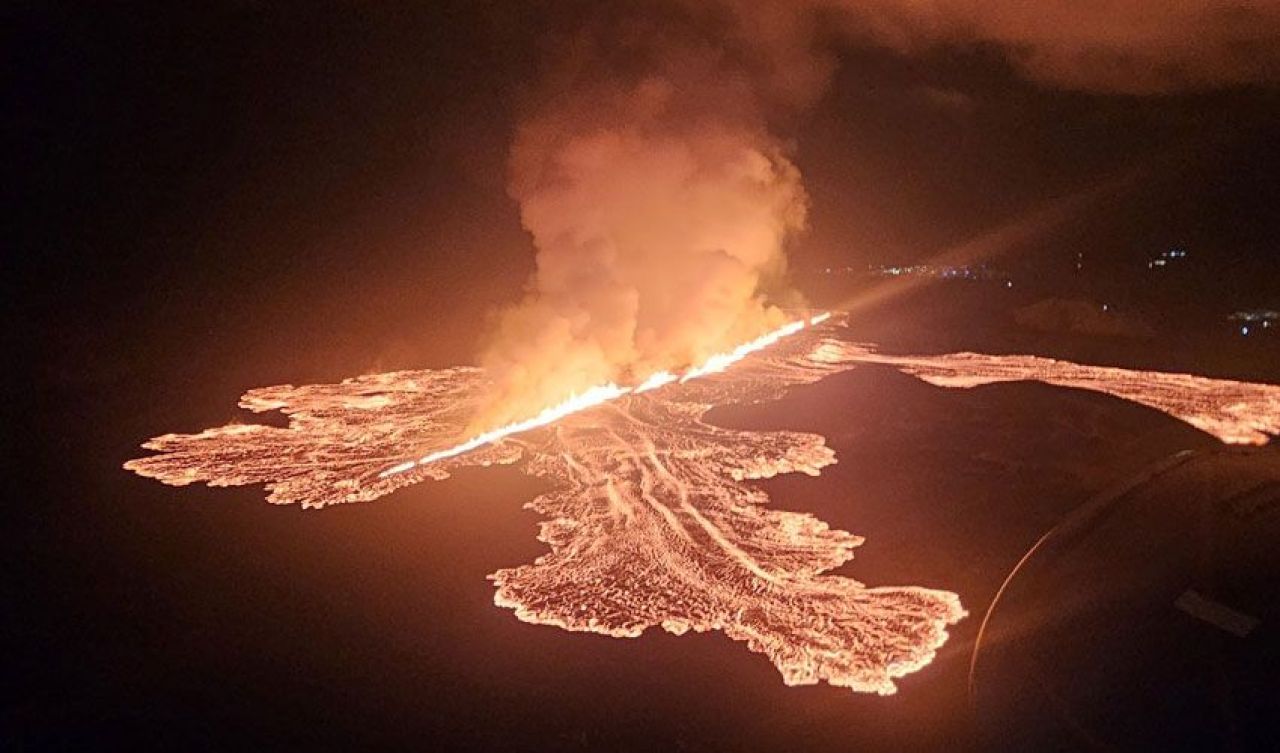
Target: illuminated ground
203	618
651	522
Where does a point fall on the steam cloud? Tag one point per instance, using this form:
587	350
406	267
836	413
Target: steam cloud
661	205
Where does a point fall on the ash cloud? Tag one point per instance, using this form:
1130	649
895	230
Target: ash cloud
661	203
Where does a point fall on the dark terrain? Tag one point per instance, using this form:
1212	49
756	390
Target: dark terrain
219	196
206	619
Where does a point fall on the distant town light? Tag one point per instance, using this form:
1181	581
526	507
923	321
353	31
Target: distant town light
975	272
1256	315
1163	259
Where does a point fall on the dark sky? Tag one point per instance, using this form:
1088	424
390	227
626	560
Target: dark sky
346	164
221	195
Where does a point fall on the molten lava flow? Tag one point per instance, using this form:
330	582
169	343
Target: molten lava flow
655	381
606	392
1234	412
588	399
652	521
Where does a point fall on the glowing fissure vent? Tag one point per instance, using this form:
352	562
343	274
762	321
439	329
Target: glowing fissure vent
603	393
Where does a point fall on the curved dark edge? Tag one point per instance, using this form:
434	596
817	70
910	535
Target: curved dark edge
1076	522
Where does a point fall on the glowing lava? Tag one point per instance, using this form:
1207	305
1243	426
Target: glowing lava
605	392
1234	412
653	521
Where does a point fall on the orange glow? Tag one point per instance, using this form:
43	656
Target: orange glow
656	380
651	520
588	399
1233	412
722	361
606	392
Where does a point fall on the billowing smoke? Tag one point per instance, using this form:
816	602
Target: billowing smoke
661	205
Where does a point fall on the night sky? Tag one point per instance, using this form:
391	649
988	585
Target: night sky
216	196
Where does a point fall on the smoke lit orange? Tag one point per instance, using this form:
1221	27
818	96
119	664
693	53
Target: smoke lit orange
605	392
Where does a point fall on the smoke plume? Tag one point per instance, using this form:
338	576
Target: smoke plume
660	207
660	203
